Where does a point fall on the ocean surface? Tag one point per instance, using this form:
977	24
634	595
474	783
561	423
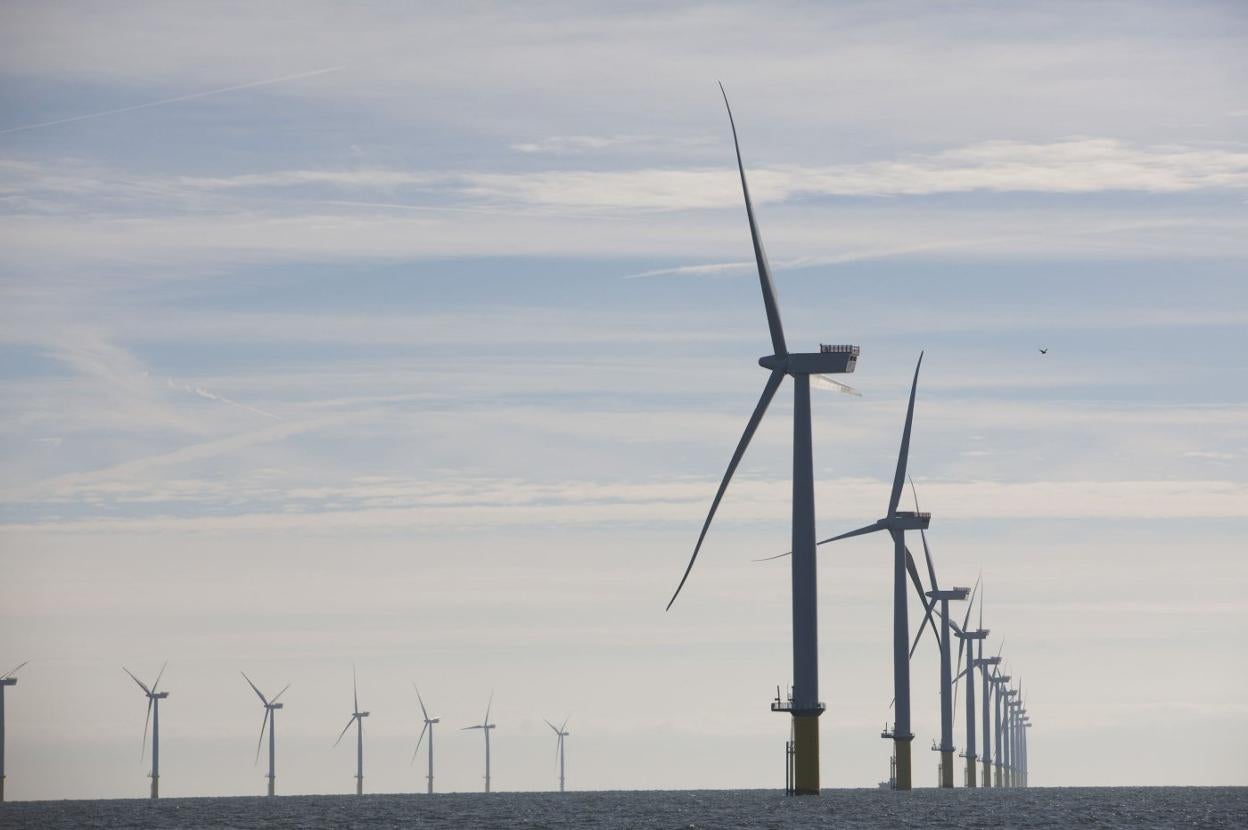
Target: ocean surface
1117	807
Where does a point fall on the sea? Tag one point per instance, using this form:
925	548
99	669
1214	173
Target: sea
1120	808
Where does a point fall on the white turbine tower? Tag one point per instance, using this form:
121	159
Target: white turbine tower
428	727
5	681
560	734
485	726
357	718
270	720
153	719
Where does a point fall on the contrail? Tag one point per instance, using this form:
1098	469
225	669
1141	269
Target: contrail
179	98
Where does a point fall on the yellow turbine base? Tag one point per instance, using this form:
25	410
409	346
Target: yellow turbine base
902	750
946	770
806	754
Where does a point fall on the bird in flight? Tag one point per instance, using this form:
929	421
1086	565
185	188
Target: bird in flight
1044	350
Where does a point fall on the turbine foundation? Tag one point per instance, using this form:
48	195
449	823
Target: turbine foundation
806	754
946	769
901	748
971	772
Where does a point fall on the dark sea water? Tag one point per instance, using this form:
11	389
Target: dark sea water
1120	807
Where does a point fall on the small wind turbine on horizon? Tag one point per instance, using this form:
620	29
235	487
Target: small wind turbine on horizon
357	718
804	706
154	698
6	681
270	720
485	726
428	727
560	735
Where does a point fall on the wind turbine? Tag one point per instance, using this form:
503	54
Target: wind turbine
999	682
948	627
897	522
5	682
485	726
428	727
561	734
967	635
804	706
984	664
357	718
1009	759
153	719
270	720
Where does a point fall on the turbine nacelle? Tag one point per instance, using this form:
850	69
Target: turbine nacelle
907	520
271	706
829	360
950	593
977	634
988	661
8	681
158	695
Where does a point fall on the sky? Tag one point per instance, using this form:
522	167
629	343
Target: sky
416	338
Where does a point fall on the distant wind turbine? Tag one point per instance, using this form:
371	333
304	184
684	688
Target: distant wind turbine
357	718
897	522
154	698
560	735
428	727
485	726
946	670
967	635
6	681
804	706
270	720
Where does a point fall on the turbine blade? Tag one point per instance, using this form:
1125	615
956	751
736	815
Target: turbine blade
871	528
344	730
965	620
931	604
419	741
142	685
146	724
488	706
15	669
764	270
927	555
904	455
565	723
278	696
769	392
552	726
355	691
260	742
253	688
424	712
835	385
466	728
158	676
918	587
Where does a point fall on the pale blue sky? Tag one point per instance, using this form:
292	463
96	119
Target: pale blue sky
429	354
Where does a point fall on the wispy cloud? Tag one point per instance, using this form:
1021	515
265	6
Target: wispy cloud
177	99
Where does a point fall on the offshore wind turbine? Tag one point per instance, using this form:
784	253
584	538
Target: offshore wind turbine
357	718
270	720
948	627
804	705
6	681
154	698
897	522
428	727
972	636
999	682
485	726
1008	758
560	735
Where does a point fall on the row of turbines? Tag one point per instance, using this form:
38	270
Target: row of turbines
802	703
269	726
